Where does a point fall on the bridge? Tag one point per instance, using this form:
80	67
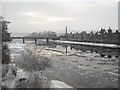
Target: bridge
32	38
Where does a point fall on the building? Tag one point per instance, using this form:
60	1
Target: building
101	36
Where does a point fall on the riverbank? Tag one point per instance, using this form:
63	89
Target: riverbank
26	76
75	69
79	69
87	43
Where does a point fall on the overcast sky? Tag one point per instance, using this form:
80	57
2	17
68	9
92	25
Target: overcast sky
78	15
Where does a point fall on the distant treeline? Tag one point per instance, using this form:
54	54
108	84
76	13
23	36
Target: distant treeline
44	34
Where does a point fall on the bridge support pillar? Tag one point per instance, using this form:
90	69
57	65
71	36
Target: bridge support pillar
23	40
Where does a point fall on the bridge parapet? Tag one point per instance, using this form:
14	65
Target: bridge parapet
34	38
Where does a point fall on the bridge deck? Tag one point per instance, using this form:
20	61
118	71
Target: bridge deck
28	38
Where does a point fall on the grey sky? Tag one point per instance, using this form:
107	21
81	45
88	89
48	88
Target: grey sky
28	17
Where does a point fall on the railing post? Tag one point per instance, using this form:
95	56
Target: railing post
47	40
11	39
66	49
35	40
23	40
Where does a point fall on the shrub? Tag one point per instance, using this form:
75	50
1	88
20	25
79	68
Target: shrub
34	81
30	62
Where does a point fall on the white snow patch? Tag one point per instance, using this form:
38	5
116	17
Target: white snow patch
59	84
91	44
16	45
13	55
69	67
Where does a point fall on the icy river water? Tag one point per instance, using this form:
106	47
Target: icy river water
78	66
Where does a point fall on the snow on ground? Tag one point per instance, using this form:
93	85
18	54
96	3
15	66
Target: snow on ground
81	59
78	59
84	65
44	51
16	45
59	84
11	80
91	44
15	49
